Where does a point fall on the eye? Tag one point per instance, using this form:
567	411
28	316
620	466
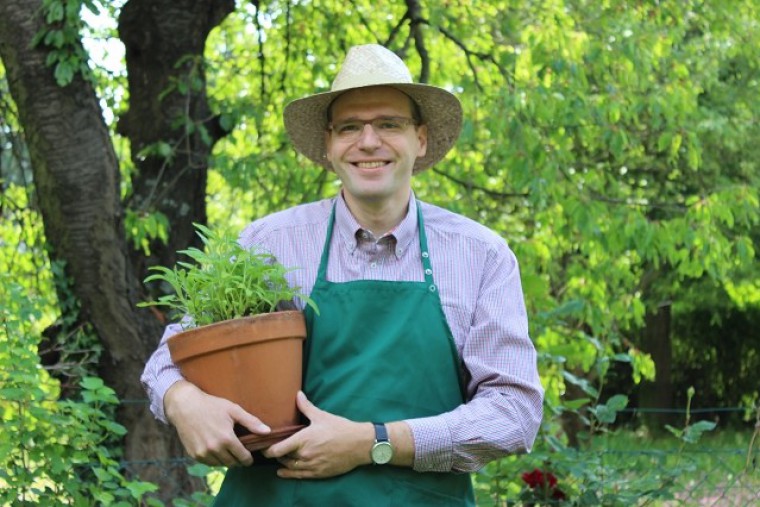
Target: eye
347	128
389	124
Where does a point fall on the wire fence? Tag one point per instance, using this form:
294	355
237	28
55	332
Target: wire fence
717	472
719	476
721	469
712	476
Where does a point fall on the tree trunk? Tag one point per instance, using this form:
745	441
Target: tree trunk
658	395
76	174
164	42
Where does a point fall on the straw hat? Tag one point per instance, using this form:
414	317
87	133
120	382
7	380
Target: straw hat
374	65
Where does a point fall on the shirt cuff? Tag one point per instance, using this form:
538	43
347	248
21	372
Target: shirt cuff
433	445
157	390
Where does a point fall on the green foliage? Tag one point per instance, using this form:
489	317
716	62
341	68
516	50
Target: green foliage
713	330
691	432
214	478
142	228
224	281
62	37
53	451
600	474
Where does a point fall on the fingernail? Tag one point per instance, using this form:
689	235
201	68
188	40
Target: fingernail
264	427
301	395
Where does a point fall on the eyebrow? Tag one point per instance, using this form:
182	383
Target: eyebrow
380	117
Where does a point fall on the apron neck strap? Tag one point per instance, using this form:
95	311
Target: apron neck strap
426	266
322	273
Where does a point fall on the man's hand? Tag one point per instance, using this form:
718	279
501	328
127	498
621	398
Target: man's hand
205	425
329	446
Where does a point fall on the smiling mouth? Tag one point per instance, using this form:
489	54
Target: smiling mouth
370	165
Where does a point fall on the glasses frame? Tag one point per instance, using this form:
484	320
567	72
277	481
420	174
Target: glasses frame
353	136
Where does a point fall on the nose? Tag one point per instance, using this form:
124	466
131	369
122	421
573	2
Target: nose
368	139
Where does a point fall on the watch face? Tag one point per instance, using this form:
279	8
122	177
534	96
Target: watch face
382	452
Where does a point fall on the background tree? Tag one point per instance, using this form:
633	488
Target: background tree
77	177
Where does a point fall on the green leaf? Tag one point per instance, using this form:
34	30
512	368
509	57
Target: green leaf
694	432
576	404
607	413
140	488
64	73
114	427
54	12
618	402
675	431
584	384
199	470
92	383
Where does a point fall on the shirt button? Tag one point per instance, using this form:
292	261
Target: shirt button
428	271
425	255
373	265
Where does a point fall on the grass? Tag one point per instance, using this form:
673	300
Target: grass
720	469
630	468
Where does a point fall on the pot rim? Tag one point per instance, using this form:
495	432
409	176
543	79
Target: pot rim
238	332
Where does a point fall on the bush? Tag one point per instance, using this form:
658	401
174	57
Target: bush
53	452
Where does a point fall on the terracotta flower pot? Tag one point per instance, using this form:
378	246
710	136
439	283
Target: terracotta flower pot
255	362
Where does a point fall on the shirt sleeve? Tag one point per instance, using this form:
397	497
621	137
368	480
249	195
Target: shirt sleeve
161	373
504	404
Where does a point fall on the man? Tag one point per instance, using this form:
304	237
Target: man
419	367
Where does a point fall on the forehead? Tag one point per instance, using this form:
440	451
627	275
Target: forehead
375	99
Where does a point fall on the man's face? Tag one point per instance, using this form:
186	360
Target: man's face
375	169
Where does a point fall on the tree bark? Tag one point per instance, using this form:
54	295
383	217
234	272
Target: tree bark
658	395
77	178
164	42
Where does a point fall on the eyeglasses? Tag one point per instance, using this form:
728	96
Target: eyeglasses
385	127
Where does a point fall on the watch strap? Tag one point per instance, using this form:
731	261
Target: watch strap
381	432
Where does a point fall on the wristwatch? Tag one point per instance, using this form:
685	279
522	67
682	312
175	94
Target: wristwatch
382	450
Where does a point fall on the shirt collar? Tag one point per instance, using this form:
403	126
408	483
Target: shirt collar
349	228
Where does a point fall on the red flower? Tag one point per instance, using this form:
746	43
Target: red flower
537	479
558	494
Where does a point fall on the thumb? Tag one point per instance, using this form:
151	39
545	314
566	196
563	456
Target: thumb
247	420
306	407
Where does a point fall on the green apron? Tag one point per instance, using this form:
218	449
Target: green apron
378	351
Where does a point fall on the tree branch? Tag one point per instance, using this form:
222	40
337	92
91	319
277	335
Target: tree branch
414	15
470	186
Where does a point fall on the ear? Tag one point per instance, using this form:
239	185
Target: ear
422	139
328	139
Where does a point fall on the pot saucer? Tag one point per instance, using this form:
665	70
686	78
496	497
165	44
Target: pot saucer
254	442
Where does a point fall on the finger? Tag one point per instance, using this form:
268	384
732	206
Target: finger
289	473
240	455
236	458
289	446
212	459
306	407
228	450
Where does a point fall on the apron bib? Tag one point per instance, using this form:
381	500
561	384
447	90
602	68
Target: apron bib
378	351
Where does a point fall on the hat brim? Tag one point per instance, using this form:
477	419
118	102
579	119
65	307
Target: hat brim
306	122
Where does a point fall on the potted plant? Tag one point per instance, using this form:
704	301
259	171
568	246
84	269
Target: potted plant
241	340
